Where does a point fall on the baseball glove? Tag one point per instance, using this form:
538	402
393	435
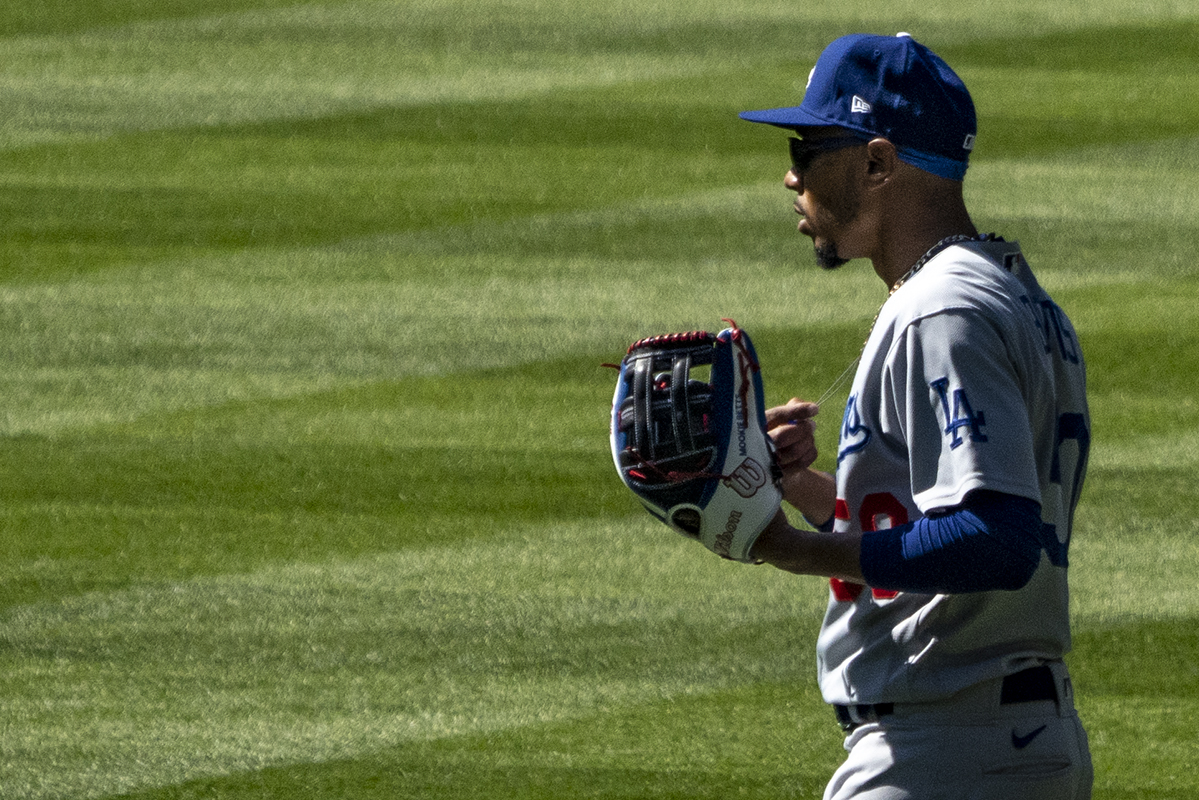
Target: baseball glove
688	435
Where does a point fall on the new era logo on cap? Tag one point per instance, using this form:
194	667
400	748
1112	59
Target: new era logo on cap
860	106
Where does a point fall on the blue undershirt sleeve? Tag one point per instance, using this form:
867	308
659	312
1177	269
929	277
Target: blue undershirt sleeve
990	542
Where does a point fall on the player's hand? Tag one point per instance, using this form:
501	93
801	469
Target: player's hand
792	428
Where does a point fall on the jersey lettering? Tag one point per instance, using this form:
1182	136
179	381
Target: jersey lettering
854	435
1054	327
963	415
1013	262
1055	321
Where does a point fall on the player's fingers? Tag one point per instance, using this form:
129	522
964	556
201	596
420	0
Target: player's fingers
795	444
791	412
801	458
792	434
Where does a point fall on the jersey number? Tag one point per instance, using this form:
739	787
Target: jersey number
1066	475
878	512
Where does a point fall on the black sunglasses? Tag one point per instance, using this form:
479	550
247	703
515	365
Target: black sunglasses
804	152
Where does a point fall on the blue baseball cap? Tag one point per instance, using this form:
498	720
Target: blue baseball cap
889	86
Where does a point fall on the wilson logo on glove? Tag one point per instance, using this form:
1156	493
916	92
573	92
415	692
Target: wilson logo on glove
688	437
747	479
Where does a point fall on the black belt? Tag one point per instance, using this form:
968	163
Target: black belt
1028	686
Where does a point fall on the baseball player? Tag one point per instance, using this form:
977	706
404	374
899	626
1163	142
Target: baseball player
963	447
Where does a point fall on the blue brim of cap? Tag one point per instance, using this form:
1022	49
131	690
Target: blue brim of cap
795	117
792	117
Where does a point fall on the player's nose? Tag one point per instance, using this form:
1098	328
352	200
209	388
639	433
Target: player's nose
793	181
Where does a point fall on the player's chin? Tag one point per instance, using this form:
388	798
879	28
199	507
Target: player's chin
827	257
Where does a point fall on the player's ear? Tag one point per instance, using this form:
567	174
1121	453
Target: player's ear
882	160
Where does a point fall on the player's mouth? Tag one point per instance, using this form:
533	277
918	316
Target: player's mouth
804	227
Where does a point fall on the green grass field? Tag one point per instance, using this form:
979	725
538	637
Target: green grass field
304	482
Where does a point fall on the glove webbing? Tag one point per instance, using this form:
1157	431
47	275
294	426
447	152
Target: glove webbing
675	354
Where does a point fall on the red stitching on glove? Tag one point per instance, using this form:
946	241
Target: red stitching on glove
672	339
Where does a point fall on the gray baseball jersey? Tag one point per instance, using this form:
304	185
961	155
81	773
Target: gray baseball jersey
972	378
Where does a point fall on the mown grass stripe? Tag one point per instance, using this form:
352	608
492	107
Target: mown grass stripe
324	661
317	60
270	324
678	747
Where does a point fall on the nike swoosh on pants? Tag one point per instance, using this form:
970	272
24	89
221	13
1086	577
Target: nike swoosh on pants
1021	742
